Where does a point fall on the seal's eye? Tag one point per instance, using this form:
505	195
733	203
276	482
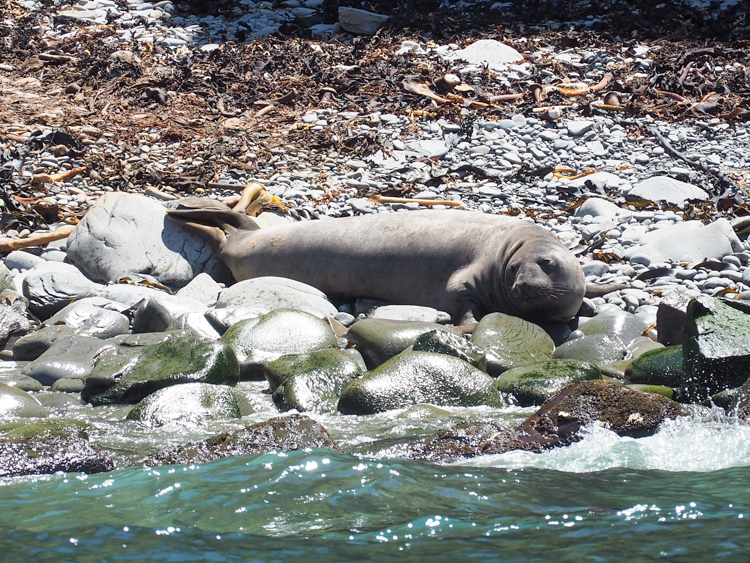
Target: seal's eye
546	264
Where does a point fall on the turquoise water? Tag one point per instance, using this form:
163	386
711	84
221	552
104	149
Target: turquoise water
681	495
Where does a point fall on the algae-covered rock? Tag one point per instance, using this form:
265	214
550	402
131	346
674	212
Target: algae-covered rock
662	390
379	340
535	383
511	342
285	433
257	341
49	446
443	342
662	366
419	377
190	403
311	382
14	402
147	369
717	348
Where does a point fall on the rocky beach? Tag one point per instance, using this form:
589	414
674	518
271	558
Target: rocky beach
130	342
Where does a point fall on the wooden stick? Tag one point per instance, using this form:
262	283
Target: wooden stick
385	199
601	85
36	240
39	179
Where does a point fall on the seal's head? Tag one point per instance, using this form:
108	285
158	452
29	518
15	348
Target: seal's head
544	281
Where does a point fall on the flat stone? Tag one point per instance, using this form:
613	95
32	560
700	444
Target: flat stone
664	188
487	51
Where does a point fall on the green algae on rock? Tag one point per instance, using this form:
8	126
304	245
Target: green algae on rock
146	369
511	342
419	377
663	366
190	403
444	342
535	383
311	382
278	333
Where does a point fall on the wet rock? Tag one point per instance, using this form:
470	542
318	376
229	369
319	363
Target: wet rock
419	377
12	376
50	286
68	385
224	318
361	22
443	342
535	383
616	323
124	234
717	348
288	433
14	402
156	314
72	356
598	349
257	341
663	366
190	403
33	345
93	316
268	293
49	446
311	382
59	402
378	340
133	375
671	317
664	188
689	241
511	342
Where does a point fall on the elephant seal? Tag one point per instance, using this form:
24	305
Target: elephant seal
467	264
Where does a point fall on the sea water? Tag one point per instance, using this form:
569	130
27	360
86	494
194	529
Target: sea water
680	495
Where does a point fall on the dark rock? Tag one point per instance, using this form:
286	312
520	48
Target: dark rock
49	446
671	317
535	383
280	332
71	356
419	377
158	313
311	382
379	340
286	433
133	375
511	342
33	345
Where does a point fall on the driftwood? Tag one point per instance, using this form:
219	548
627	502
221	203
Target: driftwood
36	239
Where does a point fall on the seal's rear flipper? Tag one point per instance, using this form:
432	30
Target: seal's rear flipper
211	219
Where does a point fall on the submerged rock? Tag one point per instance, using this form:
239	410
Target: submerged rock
379	340
419	377
535	383
294	432
311	382
128	377
49	446
190	403
258	341
511	342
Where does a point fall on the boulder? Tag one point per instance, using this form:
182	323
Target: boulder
257	341
34	344
410	313
17	403
128	377
598	349
378	340
93	316
671	316
664	188
294	432
268	293
361	22
190	403
616	323
444	342
160	311
663	366
535	383
511	342
15	319
311	382
419	377
126	234
50	286
72	356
